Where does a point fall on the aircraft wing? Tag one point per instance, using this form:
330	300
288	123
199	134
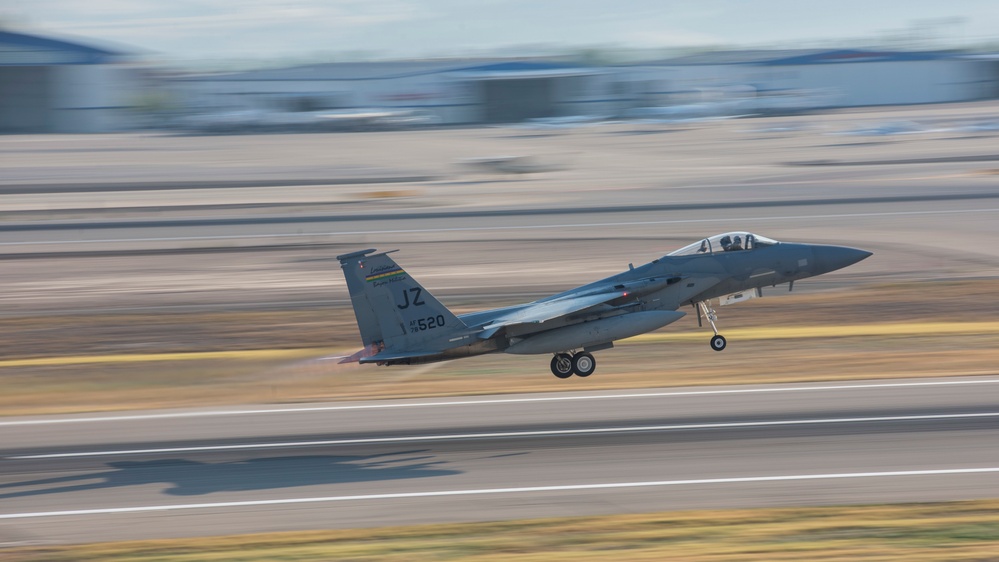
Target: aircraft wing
548	310
536	313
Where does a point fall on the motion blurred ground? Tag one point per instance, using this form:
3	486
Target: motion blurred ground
300	374
614	194
916	532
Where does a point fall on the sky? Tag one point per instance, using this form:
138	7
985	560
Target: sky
248	29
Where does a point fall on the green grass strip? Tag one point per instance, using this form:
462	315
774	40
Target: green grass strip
953	531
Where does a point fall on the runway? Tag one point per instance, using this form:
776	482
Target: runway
623	198
519	256
93	477
84	262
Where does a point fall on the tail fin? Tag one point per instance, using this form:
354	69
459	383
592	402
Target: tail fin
393	310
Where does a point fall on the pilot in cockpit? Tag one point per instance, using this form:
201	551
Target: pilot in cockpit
736	244
726	243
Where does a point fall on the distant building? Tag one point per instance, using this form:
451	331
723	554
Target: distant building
504	91
455	91
840	78
51	85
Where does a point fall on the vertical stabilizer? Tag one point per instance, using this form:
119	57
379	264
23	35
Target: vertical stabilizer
393	310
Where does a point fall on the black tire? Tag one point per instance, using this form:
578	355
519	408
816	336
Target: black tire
583	364
718	342
562	365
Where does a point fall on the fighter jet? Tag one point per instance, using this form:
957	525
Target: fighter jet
401	323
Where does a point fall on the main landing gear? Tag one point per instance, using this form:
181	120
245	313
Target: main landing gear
704	310
581	364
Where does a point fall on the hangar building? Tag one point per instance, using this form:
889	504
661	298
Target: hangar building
503	91
455	91
50	85
842	78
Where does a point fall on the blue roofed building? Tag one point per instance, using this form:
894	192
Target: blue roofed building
54	85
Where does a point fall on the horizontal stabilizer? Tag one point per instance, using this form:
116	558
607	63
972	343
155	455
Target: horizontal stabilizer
359	254
385	356
356	357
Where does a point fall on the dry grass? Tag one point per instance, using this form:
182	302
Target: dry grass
388	194
952	531
653	362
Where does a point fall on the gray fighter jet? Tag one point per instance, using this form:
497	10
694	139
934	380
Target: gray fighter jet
401	323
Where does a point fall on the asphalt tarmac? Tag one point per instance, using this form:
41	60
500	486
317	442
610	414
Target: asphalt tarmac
624	194
251	264
136	475
254	222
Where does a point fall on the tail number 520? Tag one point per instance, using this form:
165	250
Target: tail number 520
428	323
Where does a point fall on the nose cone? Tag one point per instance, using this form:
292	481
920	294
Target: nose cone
831	258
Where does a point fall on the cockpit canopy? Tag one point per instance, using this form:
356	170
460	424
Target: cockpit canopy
727	242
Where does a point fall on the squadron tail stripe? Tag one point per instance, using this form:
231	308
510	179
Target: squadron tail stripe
385	274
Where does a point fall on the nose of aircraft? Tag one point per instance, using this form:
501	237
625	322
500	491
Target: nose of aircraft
831	258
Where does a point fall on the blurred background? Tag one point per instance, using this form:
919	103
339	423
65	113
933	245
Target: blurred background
177	177
168	171
345	65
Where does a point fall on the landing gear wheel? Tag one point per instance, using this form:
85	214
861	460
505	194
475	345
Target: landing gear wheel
583	364
718	342
562	365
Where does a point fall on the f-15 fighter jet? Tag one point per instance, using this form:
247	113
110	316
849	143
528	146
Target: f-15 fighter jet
401	323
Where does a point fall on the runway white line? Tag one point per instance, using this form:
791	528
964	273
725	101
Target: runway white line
489	401
495	491
505	434
494	228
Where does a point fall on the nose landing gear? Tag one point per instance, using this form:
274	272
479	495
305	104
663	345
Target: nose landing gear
718	342
581	364
704	310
